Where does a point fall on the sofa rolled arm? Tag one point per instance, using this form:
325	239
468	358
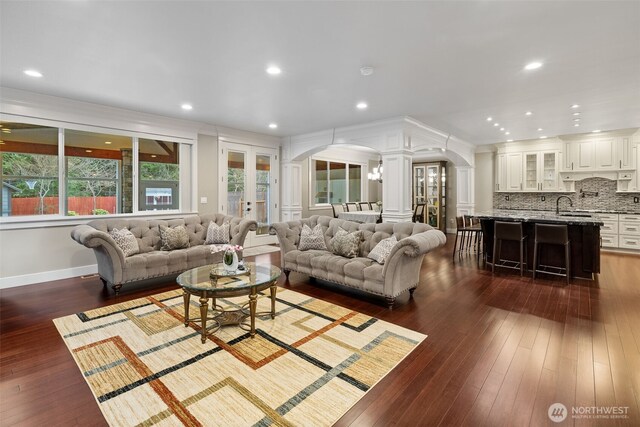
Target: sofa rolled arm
106	250
286	235
244	227
414	246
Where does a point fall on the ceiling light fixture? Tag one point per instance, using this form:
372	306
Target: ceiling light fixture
528	113
543	137
509	140
496	124
576	125
501	129
596	131
575	106
108	142
273	126
187	107
489	119
153	156
533	65
88	151
376	175
33	73
577	119
362	105
507	133
540	129
577	113
273	70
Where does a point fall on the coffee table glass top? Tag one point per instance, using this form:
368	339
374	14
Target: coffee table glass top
199	278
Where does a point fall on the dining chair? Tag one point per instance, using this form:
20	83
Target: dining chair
351	206
337	208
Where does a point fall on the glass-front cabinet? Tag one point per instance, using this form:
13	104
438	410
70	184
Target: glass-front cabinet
429	188
541	171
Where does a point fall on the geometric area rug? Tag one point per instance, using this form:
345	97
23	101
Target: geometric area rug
306	367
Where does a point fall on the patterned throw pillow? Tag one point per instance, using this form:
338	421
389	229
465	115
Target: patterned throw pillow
346	244
381	251
174	238
125	241
312	239
217	233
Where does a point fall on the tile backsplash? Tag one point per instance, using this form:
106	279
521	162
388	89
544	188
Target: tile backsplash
606	200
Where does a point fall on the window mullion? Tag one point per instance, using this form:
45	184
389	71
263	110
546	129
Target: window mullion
136	163
62	175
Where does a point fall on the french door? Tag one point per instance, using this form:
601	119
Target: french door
249	187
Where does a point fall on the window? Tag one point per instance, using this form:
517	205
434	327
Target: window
98	179
29	169
96	174
336	182
159	166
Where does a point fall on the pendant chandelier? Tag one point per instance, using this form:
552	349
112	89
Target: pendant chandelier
376	175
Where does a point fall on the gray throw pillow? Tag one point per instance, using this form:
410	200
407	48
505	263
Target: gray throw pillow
346	244
217	233
173	238
125	241
312	239
381	251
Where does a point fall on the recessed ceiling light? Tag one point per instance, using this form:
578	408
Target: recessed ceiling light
509	140
533	65
443	149
273	125
33	73
273	70
187	107
496	124
366	71
596	131
154	156
108	142
539	129
575	106
361	105
543	137
576	120
577	113
528	113
489	119
89	151
576	125
507	133
501	129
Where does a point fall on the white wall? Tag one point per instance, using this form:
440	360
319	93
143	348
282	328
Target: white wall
485	177
208	173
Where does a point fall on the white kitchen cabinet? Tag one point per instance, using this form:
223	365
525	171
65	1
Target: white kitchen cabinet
626	153
501	172
541	170
514	171
582	155
605	154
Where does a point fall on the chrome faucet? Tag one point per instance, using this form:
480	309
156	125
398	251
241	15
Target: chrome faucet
558	203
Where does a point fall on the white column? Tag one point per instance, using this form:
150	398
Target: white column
290	184
396	186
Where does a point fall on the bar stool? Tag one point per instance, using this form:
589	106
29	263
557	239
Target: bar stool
552	234
511	231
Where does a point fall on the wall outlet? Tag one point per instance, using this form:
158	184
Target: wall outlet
542	198
506	198
203	200
636	199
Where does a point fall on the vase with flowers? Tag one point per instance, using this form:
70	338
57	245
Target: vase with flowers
229	257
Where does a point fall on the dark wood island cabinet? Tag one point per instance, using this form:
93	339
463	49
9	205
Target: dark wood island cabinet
584	234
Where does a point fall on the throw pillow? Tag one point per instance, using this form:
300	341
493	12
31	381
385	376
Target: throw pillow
217	233
173	238
381	251
312	239
125	241
346	244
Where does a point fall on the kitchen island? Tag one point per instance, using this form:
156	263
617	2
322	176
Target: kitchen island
584	234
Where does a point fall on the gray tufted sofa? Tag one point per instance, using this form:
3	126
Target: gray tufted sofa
115	269
399	273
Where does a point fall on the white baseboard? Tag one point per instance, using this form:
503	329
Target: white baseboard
46	276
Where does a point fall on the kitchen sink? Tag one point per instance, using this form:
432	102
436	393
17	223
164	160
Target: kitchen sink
576	215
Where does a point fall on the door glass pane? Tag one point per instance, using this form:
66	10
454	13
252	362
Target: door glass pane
550	170
337	181
263	193
99	173
29	163
355	183
532	170
159	171
236	176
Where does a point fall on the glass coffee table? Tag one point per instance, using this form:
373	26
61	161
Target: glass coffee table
212	281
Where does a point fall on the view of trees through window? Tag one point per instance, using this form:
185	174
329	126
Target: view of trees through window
98	172
336	182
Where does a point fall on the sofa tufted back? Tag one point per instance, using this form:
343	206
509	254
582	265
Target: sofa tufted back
147	231
372	233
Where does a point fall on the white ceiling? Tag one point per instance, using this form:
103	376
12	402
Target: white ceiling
447	64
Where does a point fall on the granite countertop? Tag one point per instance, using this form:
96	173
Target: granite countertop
549	217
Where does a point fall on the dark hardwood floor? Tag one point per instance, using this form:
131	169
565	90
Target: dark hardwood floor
500	349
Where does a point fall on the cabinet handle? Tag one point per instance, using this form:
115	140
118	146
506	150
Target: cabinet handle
571	165
620	164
